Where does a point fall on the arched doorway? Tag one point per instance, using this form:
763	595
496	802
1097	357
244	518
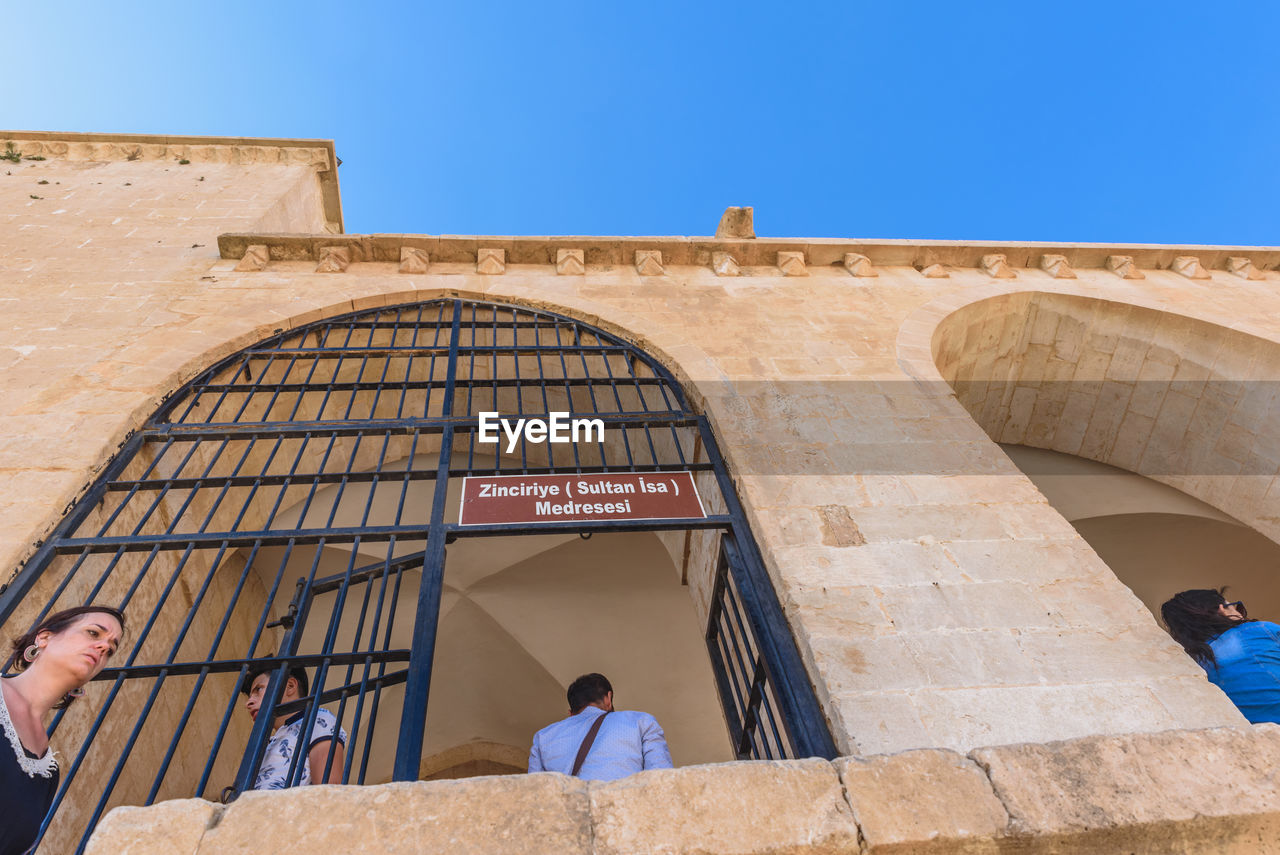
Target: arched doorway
299	498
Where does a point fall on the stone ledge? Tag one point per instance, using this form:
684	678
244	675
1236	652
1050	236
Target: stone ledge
1188	791
757	252
318	154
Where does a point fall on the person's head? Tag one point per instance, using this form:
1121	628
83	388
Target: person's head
1196	616
254	686
72	645
590	689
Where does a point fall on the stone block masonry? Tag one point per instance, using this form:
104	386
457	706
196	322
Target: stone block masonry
1141	794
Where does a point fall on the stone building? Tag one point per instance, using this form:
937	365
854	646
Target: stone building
943	486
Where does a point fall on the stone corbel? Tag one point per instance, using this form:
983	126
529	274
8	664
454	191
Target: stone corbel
333	259
935	271
792	264
1190	267
1124	267
724	264
859	265
414	260
649	262
997	267
255	258
1057	266
570	262
491	262
1243	267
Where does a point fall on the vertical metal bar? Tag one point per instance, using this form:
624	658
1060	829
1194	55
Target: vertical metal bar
806	724
418	685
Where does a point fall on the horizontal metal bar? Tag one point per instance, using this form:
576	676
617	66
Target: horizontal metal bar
280	537
300	478
407	325
349	351
362	574
235	539
348	427
219	666
589	526
388	476
330	695
396	385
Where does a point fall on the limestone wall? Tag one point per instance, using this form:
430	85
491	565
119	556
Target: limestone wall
1208	791
937	599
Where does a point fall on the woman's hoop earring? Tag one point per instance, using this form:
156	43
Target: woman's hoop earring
31	652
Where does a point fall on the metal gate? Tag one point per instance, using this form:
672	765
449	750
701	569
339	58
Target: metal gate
323	459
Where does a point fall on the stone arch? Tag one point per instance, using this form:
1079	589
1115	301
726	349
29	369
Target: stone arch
1181	404
1183	401
183	546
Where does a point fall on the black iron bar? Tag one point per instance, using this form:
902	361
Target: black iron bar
417	687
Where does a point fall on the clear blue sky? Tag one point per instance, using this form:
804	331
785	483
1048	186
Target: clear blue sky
1080	121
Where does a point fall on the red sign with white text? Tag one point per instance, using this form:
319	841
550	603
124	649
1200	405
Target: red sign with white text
488	499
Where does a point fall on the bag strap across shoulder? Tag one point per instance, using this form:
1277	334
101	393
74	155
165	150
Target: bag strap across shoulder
587	742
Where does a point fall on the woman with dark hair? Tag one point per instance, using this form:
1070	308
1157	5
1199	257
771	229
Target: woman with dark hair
1241	656
52	661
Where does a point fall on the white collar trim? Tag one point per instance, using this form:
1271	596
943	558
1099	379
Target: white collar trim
43	766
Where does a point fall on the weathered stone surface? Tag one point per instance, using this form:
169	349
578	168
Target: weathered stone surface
838	527
515	814
491	262
792	264
569	262
929	800
414	260
649	262
724	264
255	258
935	271
167	828
1205	791
333	259
794	806
736	223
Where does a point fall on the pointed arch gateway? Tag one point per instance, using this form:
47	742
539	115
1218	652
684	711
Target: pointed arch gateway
297	505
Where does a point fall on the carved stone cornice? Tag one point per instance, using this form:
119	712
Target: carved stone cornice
758	252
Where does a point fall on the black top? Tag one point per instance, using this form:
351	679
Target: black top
25	798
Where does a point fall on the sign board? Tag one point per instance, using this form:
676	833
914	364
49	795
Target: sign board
488	499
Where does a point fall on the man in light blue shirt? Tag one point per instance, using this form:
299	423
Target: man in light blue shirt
627	741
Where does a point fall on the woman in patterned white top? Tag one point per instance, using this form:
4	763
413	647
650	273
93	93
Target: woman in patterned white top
52	661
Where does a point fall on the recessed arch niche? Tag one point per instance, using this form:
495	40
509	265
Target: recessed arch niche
1156	434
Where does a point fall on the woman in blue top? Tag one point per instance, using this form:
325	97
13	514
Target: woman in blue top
1241	656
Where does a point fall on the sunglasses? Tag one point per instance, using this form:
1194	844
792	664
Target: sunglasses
1239	604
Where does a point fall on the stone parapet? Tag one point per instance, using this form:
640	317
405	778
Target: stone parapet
1186	791
107	148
